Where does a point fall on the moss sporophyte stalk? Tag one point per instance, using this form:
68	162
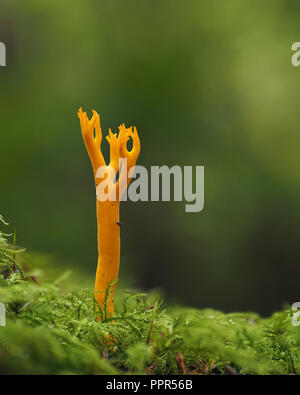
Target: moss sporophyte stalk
108	210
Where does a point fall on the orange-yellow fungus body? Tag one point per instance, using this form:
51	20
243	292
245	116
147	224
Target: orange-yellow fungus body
108	211
109	252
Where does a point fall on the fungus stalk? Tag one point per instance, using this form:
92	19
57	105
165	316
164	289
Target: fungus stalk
108	211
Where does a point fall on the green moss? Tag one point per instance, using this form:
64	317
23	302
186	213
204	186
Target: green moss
52	329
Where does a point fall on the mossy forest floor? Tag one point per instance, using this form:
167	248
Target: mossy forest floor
51	328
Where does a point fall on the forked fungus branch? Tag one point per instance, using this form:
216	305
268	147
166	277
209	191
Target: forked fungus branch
108	211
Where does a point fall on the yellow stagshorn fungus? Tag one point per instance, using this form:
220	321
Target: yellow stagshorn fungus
108	211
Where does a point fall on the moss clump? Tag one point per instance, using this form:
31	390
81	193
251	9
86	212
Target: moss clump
52	329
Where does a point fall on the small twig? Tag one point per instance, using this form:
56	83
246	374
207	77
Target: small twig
150	331
180	363
104	354
150	369
35	279
152	322
200	369
150	307
230	370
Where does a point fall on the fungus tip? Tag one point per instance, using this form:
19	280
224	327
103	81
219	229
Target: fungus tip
95	114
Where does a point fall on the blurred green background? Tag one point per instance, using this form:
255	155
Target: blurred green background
206	83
